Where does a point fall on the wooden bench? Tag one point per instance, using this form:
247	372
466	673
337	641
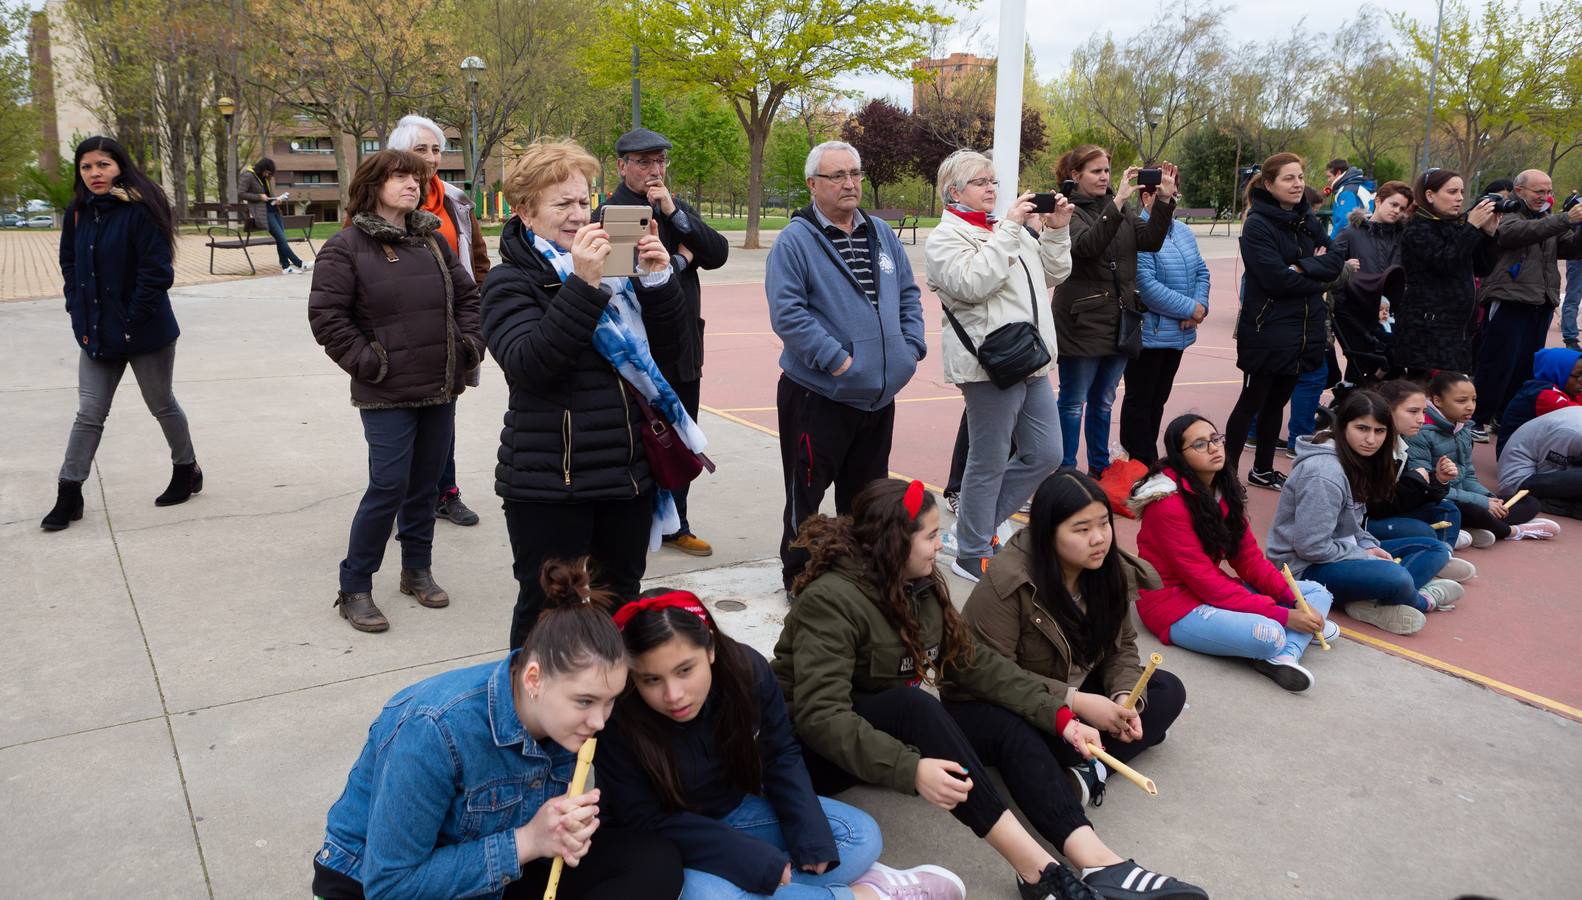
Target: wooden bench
229	228
900	220
1204	212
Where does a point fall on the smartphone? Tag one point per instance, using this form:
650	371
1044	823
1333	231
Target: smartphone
624	224
1150	177
1069	188
1044	202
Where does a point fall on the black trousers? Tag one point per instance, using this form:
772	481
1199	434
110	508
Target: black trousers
1265	396
613	532
1558	493
691	394
823	442
1149	378
1510	338
1476	515
620	865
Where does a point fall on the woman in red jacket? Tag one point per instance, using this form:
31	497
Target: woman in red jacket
1193	520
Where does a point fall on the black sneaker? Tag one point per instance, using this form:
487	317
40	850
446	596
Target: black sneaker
1285	672
952	500
1289	449
1056	883
1571	344
1129	881
1251	444
1272	479
452	509
1088	781
971	568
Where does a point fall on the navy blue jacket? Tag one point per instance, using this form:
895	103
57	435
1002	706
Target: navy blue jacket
1283	328
118	272
629	800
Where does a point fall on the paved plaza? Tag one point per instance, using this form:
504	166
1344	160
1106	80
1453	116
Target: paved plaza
179	703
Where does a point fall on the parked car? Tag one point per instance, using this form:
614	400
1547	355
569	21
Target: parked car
45	221
10	220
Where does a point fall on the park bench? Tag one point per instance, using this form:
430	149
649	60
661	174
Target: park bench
229	228
900	220
1203	212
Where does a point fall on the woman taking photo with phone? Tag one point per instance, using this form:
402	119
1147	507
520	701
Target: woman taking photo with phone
1442	252
1194	520
116	248
992	276
1098	318
1282	330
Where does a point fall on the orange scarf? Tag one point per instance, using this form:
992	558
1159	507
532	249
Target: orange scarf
435	203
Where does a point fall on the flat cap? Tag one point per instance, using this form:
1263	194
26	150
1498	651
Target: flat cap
639	139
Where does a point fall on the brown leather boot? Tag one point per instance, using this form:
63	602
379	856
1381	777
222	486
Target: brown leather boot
357	607
419	583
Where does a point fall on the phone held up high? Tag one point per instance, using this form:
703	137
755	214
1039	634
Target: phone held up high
1069	187
1044	202
625	225
1150	179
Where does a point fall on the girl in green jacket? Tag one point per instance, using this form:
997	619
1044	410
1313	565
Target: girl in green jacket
873	623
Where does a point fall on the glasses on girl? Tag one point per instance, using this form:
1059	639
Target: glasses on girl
1201	445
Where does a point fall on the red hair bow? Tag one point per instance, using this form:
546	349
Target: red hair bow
914	498
683	600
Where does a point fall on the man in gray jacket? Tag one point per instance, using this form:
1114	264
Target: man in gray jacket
1544	456
1521	293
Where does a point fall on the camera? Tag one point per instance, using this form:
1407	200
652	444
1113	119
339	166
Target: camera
1150	178
1571	201
1503	204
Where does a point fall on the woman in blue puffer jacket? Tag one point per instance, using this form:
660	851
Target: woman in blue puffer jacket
1173	283
115	256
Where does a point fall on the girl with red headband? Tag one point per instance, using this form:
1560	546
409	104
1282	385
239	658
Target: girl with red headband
701	751
872	623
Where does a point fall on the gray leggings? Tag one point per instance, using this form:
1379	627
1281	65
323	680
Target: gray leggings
97	380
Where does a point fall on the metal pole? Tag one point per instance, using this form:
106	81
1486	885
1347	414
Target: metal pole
637	92
477	189
1433	78
233	166
1008	101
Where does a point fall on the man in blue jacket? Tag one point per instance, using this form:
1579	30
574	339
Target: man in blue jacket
1349	189
848	312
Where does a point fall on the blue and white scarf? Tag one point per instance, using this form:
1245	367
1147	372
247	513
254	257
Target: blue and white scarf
621	338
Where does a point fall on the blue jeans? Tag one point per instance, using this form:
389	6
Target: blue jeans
1227	632
1573	299
1304	403
406	450
1415	523
857	839
1381	580
277	230
1090	380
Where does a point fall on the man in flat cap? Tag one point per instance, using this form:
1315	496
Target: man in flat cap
642	156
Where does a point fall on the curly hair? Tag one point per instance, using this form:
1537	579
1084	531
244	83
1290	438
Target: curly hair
878	537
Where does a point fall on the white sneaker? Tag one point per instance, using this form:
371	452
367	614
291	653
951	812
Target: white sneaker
1331	630
290	270
1536	530
916	883
1395	618
1481	537
1442	593
1457	570
1463	540
307	266
948	544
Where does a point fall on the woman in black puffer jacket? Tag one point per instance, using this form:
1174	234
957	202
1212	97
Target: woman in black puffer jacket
1442	252
572	470
1283	327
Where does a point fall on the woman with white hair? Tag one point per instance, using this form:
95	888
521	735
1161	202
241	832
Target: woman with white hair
458	224
983	268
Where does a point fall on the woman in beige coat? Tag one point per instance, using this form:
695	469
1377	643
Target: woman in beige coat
989	274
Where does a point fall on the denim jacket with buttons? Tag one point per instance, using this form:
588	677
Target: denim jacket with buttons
446	776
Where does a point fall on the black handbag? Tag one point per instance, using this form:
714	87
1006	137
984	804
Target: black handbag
1011	352
1129	324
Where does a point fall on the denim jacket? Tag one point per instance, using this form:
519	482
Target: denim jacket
403	829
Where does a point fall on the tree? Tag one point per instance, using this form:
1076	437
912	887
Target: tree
944	128
756	53
1207	158
884	136
18	131
1374	96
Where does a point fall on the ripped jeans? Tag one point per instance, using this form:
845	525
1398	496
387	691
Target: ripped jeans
1225	632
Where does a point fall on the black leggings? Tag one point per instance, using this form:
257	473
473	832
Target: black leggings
1265	396
621	865
1559	492
1476	515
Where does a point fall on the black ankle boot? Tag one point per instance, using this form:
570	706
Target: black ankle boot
185	480
68	506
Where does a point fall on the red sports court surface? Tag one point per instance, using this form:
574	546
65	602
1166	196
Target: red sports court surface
1515	631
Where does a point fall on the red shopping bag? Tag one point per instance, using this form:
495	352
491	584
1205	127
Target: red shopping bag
1117	482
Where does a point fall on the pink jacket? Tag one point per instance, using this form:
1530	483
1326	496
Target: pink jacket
1190	577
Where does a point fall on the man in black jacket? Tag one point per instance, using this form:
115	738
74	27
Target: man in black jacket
642	156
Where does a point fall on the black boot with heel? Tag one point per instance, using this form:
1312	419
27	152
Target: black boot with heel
68	506
185	480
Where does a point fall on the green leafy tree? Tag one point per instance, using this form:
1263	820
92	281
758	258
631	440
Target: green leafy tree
1207	159
756	53
18	129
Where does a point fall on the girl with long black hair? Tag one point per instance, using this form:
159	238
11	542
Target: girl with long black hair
116	250
701	751
1194	519
873	623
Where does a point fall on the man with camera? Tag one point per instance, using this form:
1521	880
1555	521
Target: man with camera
1521	294
641	157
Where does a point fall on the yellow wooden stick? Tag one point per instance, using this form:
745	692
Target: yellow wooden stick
579	779
1127	772
1516	497
1142	681
1302	604
1440	524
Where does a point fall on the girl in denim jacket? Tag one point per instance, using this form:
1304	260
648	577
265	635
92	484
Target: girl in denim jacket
460	790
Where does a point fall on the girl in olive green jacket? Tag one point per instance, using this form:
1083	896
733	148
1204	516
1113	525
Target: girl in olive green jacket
872	623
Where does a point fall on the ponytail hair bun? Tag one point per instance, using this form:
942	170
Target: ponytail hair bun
571	584
574	631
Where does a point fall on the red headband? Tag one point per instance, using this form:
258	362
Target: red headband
683	600
913	501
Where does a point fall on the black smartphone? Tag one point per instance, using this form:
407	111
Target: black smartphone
1069	188
1044	202
1150	177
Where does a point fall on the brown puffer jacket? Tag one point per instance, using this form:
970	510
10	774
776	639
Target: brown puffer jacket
397	310
1087	310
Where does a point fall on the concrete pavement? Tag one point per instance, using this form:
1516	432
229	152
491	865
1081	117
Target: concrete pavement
179	704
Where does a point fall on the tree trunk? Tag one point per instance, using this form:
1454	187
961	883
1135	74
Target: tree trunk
343	176
757	137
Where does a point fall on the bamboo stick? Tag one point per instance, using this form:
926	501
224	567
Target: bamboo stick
1516	498
1302	604
1127	772
579	780
1142	681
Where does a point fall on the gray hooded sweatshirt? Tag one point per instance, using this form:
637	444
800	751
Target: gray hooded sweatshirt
1317	520
1551	442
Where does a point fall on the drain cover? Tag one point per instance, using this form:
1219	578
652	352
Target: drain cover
729	605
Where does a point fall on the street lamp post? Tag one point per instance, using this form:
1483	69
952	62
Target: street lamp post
227	109
471	68
1153	122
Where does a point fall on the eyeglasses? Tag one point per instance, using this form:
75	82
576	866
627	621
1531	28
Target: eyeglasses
984	182
648	162
1201	445
841	177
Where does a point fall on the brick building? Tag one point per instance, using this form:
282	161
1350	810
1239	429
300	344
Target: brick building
946	74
